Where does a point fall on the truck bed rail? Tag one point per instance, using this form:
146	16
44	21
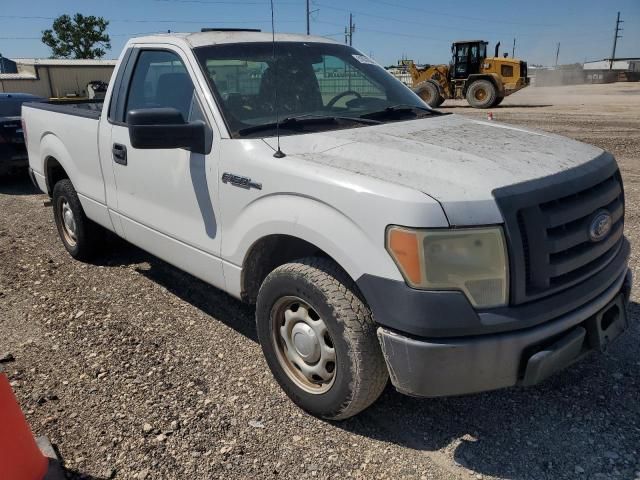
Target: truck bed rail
83	108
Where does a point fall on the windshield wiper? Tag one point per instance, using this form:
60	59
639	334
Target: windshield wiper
305	119
393	110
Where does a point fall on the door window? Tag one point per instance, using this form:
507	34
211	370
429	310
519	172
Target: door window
160	79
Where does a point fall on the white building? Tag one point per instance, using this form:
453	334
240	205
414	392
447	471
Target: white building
622	64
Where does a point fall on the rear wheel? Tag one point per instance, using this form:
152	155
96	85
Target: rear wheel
79	235
319	339
430	93
482	94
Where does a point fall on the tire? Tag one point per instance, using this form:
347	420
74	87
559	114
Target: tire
79	235
438	103
429	93
316	292
497	102
482	94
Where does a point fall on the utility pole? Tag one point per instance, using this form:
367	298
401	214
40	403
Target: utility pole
309	13
616	36
348	31
557	53
513	52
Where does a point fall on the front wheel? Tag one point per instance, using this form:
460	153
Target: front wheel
429	93
319	339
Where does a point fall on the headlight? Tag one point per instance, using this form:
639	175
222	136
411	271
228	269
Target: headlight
473	260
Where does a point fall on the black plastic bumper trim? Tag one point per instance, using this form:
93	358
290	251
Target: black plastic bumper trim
443	367
423	313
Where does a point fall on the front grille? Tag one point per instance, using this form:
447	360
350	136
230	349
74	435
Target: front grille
523	69
548	228
560	248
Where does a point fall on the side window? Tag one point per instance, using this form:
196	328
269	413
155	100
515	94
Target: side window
160	79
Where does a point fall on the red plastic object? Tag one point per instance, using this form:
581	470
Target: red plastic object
20	457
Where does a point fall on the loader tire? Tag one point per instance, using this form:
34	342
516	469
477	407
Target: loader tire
498	101
482	94
429	93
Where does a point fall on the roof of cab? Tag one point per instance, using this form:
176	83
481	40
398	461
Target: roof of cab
201	39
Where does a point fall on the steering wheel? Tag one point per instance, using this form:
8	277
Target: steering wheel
333	101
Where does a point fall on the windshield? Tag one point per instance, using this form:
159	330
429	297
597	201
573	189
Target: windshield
309	79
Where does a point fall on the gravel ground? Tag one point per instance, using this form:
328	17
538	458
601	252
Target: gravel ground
134	369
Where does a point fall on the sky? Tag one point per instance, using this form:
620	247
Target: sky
387	30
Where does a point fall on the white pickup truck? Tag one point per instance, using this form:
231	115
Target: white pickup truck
377	237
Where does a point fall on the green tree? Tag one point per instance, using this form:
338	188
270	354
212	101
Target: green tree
77	37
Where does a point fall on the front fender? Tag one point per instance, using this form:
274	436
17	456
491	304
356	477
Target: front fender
315	222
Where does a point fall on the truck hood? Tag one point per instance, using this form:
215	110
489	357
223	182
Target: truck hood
455	160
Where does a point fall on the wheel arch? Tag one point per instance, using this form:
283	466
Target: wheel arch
280	228
56	161
54	172
268	253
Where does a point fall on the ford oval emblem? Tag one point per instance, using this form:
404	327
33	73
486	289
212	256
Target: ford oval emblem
600	226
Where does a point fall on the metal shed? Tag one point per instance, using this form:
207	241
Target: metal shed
55	78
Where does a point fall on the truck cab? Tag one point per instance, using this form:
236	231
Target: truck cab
377	238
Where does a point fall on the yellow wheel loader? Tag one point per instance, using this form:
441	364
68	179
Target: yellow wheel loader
483	81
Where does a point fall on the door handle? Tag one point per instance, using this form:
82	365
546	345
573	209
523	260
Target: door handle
119	152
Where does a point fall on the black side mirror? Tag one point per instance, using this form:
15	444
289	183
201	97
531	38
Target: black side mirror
155	128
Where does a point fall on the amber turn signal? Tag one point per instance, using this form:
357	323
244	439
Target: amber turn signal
403	246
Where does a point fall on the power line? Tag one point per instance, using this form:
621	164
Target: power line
429	25
129	20
431	12
385	32
225	2
135	34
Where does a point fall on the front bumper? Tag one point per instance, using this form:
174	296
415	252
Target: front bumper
453	366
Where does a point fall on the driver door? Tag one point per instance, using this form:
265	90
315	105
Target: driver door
166	199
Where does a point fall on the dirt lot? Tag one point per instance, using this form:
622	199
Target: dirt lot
136	370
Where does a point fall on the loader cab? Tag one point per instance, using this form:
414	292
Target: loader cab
467	58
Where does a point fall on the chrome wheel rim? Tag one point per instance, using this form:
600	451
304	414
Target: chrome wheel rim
303	345
69	227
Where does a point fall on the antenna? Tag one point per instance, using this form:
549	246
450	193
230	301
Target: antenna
279	153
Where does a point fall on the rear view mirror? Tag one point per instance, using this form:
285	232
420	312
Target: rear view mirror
161	128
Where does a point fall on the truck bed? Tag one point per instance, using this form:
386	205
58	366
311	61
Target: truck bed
81	108
67	134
